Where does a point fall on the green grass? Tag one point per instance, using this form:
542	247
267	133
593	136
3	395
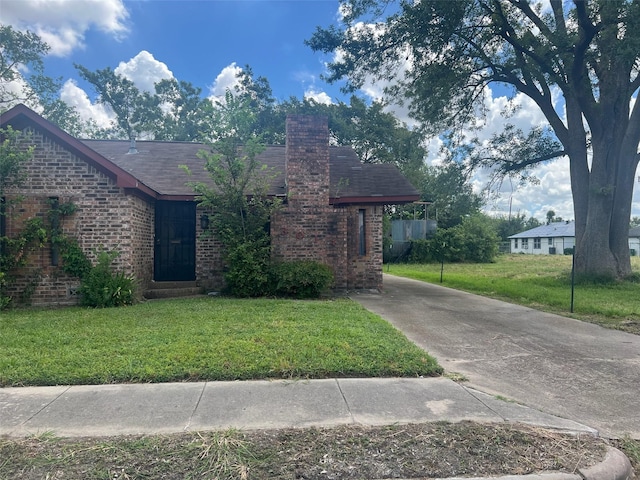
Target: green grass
539	281
203	339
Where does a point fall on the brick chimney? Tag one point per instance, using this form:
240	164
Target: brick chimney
307	161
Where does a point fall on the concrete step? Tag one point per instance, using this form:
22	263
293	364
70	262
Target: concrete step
172	290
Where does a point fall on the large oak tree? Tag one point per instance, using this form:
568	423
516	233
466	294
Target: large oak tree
588	52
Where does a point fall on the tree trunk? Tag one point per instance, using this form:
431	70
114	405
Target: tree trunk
602	228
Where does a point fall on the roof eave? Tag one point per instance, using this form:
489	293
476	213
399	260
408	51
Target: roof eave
374	200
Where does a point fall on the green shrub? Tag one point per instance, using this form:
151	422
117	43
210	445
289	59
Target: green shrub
4	299
474	241
568	251
102	287
248	270
300	279
423	251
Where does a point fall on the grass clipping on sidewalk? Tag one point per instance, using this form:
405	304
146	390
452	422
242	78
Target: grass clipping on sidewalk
431	450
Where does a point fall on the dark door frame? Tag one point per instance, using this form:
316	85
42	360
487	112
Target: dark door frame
175	241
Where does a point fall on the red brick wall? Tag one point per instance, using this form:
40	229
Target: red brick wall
106	218
308	227
209	263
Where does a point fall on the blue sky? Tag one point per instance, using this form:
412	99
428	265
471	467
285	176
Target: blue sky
205	42
196	40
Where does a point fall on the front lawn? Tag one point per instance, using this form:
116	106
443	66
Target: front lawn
539	281
203	338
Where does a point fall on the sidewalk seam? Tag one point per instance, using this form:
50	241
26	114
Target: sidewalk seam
195	409
346	402
470	392
22	424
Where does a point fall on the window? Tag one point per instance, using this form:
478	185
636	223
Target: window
536	243
362	240
550	241
525	243
515	244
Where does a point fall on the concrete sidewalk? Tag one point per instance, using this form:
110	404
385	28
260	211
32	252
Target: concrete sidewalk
177	407
106	410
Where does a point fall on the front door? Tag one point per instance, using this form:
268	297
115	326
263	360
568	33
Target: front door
175	247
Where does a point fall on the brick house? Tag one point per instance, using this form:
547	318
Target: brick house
135	199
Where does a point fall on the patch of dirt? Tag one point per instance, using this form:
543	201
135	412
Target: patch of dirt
429	450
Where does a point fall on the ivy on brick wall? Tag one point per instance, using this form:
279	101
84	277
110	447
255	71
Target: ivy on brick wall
74	261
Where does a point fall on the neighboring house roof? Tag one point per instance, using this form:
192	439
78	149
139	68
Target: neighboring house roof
560	229
155	169
555	229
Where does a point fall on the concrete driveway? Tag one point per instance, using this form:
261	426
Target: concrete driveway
557	365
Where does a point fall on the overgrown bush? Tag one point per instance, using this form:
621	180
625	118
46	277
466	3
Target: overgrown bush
300	279
103	287
423	251
474	241
248	271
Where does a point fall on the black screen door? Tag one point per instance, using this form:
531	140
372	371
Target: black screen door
175	248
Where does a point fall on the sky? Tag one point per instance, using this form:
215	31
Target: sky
206	42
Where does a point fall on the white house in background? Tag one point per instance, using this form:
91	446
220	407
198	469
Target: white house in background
545	240
634	241
555	237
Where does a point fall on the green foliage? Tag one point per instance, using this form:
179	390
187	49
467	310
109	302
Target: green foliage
189	114
103	287
238	207
449	189
14	253
135	110
4	299
247	274
14	153
19	52
473	241
74	261
300	279
507	226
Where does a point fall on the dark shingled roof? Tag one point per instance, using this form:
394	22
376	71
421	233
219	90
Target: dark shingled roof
157	165
155	171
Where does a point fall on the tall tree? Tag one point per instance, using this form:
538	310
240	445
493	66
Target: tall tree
187	117
135	111
586	51
237	202
19	50
450	192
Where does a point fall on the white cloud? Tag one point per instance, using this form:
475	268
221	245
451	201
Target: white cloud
144	71
63	23
318	97
226	79
74	96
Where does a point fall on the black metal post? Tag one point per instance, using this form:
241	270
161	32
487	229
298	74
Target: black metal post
442	261
573	275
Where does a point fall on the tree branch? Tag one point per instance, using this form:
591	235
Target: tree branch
533	161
